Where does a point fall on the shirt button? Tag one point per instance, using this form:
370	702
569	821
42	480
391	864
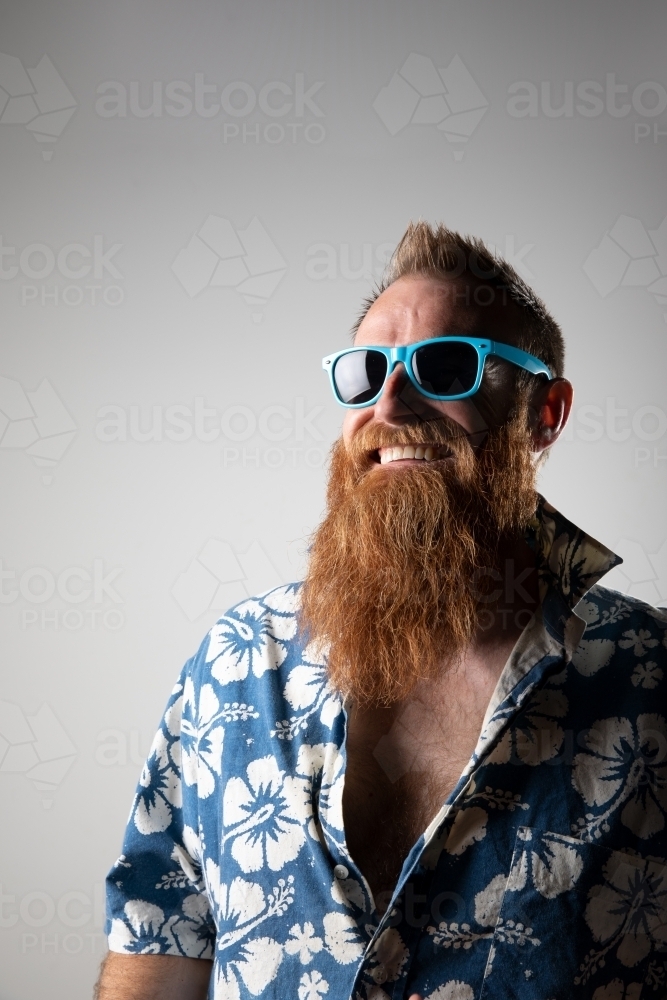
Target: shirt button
340	871
380	975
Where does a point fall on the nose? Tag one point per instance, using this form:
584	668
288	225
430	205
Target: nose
399	402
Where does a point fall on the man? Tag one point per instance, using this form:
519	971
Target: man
438	769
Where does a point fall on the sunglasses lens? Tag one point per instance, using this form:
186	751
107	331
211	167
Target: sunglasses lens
359	376
446	369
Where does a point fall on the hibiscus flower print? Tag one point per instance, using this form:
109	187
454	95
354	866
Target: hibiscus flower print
203	736
623	766
265	815
141	932
469	826
326	761
342	938
627	913
244	641
307	691
616	990
453	990
241	906
536	735
593	654
552	861
159	790
388	957
145	930
567	561
257	966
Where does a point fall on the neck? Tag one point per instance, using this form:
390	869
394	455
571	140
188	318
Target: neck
511	594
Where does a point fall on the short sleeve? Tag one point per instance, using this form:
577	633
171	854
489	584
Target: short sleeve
156	895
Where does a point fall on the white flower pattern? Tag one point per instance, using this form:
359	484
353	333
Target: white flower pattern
307	692
312	986
202	761
648	675
628	913
264	816
236	848
303	942
623	767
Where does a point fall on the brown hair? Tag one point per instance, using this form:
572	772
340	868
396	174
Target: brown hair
446	254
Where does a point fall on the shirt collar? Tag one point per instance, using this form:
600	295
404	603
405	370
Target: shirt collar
569	563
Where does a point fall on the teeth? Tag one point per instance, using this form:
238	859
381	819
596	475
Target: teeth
426	453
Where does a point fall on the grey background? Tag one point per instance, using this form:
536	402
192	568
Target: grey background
331	194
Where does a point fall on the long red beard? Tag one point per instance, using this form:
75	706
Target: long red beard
388	590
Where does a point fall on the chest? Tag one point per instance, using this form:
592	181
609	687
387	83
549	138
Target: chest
402	764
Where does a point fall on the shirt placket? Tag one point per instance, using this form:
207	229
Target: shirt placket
421	871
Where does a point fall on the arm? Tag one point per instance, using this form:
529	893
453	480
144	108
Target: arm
153	977
159	922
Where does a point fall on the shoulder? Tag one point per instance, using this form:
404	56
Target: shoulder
624	634
616	613
256	637
255	663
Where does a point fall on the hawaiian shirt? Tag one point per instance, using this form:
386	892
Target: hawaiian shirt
542	877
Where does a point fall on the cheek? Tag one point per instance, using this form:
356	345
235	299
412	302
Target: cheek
354	421
466	414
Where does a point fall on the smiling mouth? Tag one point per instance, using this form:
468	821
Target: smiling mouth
411	453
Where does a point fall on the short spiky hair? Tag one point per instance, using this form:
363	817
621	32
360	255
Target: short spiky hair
446	254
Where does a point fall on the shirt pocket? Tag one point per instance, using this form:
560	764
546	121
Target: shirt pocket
578	920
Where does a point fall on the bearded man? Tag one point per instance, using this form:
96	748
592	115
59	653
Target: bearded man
438	768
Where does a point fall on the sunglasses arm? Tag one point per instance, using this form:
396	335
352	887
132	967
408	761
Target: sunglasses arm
521	358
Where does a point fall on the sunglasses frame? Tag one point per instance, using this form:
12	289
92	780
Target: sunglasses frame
404	354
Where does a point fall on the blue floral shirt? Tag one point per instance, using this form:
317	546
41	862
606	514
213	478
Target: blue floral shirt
542	877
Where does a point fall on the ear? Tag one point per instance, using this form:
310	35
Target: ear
549	409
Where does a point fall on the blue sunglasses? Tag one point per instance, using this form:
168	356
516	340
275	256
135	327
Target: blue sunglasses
440	368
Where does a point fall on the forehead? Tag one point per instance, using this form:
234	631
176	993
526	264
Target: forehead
418	307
